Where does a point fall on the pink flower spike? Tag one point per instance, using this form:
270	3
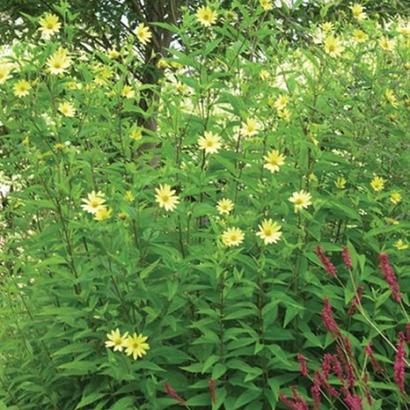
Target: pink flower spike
356	301
390	276
328	320
327	264
303	365
170	391
400	363
346	258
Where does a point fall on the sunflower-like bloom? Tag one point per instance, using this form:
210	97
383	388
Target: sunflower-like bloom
143	34
94	202
269	231
281	102
166	198
49	25
206	16
232	237
224	206
136	345
67	109
266	4
377	183
395	198
274	160
116	340
59	62
333	46
21	88
301	199
210	143
358	12
103	213
250	127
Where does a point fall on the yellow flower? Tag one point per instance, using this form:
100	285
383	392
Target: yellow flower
232	237
395	198
327	26
301	199
333	47
59	62
116	340
269	231
284	115
386	44
340	183
143	34
103	213
113	53
358	12
103	75
264	75
250	127
93	202
281	102
136	345
274	160
360	36
128	91
5	70
59	146
166	198
266	4
67	109
162	63
136	134
391	97
401	245
392	221
21	88
129	196
49	25
404	28
224	206
206	16
210	143
377	183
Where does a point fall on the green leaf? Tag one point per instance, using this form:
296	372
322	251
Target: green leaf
90	398
246	397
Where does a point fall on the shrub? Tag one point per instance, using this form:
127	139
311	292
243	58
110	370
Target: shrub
232	237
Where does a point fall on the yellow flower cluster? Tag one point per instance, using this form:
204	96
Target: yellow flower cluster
95	205
135	345
269	231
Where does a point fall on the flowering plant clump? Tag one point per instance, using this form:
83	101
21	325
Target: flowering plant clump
207	208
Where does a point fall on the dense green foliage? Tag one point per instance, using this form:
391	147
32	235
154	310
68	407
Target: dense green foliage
225	323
